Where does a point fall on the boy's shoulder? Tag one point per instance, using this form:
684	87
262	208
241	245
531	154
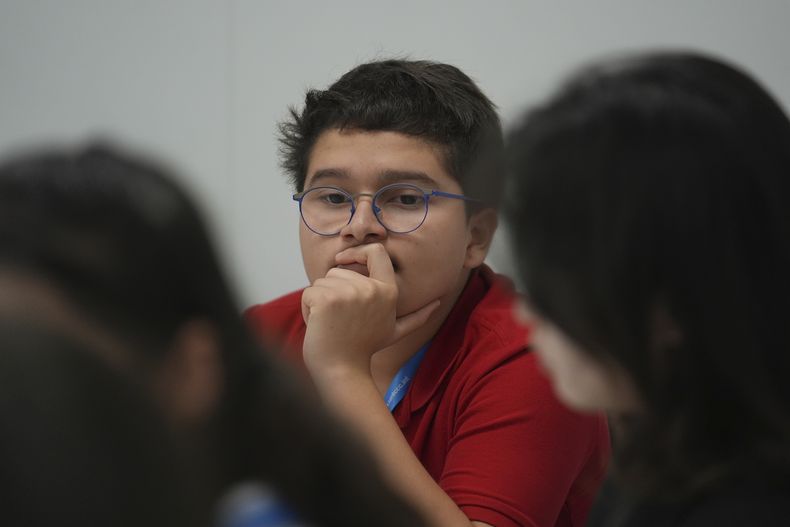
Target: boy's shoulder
278	319
285	303
481	332
491	312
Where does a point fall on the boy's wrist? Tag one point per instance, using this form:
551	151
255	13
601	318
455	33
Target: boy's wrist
336	369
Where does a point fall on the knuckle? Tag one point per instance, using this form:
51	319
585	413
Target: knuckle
368	290
390	292
318	283
393	296
334	271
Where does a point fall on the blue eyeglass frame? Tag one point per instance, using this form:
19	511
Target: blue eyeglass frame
427	194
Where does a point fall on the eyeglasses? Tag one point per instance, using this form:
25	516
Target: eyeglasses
401	208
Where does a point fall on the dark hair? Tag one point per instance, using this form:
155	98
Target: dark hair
655	189
132	252
82	444
428	100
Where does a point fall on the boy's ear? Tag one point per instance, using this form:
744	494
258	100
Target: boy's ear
482	226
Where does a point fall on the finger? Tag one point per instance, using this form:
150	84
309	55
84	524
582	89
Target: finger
339	284
313	297
340	274
408	323
306	305
374	256
327	288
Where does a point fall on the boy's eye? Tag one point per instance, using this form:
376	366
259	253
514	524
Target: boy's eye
401	197
335	198
328	197
407	199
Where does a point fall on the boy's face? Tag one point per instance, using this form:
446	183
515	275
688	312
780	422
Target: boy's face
431	262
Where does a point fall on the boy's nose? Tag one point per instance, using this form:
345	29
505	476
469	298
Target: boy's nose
364	226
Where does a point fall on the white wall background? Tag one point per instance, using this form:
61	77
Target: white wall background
203	83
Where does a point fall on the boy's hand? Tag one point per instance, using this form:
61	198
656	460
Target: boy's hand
350	316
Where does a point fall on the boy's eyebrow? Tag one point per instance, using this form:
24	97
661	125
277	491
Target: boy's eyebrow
386	177
395	176
328	173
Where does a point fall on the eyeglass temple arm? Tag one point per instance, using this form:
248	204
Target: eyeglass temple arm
450	195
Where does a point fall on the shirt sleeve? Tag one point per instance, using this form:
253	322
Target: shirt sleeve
516	451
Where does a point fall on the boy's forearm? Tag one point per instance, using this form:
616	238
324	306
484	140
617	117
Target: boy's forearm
355	398
349	316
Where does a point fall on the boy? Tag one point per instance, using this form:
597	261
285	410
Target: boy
404	331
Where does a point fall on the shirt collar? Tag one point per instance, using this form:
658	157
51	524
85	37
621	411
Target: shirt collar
443	352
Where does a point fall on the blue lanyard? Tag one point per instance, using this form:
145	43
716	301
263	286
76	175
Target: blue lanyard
400	383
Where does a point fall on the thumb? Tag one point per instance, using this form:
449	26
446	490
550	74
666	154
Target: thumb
306	305
408	323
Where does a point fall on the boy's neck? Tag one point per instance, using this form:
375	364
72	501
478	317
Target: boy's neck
385	363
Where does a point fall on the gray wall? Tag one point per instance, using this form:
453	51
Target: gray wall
201	84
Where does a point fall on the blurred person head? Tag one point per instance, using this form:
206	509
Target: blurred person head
125	250
650	221
82	443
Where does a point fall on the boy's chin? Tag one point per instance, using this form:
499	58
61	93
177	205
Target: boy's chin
409	307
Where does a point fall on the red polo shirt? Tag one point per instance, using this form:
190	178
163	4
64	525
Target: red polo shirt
480	415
